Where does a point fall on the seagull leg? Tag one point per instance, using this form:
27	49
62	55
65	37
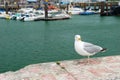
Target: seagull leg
88	59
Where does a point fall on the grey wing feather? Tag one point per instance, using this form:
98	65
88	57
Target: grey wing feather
91	48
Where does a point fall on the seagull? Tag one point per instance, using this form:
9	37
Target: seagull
85	48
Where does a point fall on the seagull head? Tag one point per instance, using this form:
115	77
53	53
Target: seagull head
77	38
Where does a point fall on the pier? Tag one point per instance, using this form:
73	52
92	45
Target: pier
95	5
14	6
104	68
52	19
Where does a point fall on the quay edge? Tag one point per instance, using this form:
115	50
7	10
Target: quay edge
103	68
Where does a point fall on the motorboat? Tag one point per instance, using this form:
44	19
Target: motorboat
75	10
61	14
88	12
2	15
17	16
33	16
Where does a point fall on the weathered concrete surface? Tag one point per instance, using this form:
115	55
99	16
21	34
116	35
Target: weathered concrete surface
105	68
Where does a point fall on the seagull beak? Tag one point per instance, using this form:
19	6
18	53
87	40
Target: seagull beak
79	38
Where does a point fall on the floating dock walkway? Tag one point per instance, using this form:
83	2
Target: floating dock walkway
52	19
104	68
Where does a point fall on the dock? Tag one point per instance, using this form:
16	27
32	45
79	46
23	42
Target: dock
102	68
52	19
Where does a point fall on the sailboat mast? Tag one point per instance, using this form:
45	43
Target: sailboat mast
89	1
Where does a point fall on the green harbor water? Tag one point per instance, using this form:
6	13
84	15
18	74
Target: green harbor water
25	43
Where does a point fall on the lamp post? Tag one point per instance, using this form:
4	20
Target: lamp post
6	7
102	8
39	3
46	8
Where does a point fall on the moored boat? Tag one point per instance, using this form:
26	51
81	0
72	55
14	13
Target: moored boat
61	15
75	10
88	12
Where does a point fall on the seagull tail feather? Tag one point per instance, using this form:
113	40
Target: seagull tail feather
104	49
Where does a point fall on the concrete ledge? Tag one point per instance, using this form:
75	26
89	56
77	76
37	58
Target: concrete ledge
104	68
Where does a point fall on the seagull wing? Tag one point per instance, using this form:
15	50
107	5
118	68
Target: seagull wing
91	48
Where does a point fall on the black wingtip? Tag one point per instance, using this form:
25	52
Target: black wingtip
104	49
